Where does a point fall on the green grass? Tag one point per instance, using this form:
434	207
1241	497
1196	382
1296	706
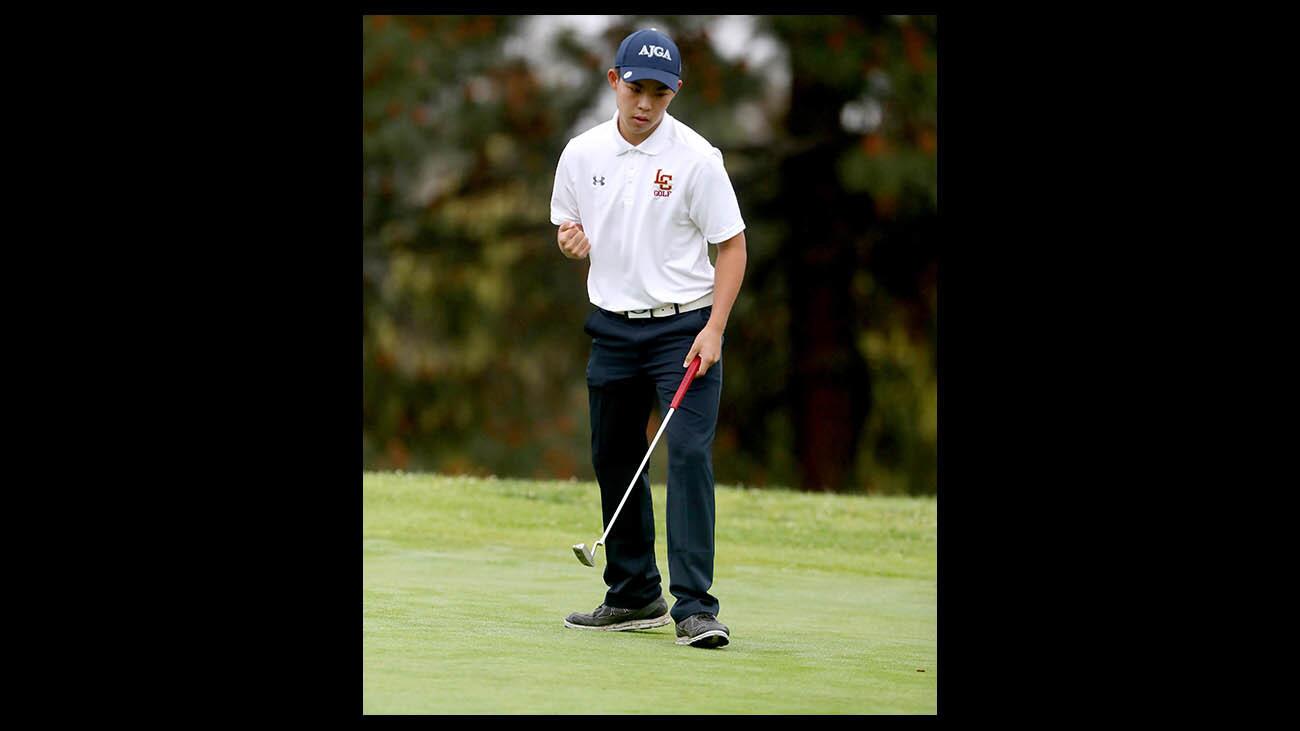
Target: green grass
830	599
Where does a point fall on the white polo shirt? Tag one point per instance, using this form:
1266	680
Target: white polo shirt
648	210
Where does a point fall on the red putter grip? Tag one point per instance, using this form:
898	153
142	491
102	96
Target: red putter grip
686	382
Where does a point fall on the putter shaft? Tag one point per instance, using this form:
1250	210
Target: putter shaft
677	400
635	476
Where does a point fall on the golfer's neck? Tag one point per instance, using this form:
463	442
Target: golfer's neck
633	140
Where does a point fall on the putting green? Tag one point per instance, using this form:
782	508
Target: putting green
830	599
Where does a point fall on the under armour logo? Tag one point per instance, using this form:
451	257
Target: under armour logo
602	180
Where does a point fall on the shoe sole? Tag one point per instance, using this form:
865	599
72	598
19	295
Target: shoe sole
712	638
649	623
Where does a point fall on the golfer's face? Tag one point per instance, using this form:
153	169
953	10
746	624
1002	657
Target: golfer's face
642	103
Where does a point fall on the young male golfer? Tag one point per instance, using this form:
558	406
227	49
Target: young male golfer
642	196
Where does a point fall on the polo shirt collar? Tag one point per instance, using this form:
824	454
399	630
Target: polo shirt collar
653	145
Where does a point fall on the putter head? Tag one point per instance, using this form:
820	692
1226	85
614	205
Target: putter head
585	555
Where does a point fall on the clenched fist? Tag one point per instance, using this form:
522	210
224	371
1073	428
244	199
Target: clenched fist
573	240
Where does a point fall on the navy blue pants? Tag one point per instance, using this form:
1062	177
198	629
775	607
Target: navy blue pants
633	362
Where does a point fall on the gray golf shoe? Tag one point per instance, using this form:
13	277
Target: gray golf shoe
614	619
702	630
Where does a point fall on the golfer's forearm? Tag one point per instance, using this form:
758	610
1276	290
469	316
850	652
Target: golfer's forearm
728	273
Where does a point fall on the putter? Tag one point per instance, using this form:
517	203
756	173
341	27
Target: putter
588	555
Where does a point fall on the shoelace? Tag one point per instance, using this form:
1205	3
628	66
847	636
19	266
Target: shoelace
703	617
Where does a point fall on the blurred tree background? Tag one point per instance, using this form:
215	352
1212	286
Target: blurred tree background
473	346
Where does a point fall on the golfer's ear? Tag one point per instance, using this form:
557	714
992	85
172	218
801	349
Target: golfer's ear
612	75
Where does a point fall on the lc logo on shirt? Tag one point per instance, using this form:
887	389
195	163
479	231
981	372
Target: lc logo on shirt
665	187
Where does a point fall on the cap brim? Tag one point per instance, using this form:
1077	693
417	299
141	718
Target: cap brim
669	79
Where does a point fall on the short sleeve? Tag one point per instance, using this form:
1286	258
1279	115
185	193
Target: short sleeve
713	206
564	200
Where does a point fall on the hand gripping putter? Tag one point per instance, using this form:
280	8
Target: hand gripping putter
588	555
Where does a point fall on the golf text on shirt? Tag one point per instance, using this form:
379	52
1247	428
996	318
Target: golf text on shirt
649	212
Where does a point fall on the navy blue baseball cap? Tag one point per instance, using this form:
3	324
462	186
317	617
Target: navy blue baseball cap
649	54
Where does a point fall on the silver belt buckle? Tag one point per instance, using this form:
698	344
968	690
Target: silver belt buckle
636	314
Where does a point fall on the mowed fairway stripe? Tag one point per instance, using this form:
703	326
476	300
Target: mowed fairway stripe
454	624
